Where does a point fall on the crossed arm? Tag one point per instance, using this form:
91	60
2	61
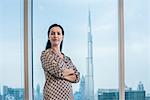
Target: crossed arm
51	66
73	74
69	74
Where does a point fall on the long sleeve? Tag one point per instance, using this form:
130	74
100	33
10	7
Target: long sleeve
50	65
77	73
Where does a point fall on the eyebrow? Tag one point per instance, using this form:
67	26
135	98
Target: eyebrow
55	32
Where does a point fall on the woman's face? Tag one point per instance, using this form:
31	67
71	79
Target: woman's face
55	36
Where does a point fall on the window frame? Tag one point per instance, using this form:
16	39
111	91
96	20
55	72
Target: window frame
28	49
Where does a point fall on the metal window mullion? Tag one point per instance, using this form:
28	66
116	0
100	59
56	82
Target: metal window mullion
28	57
121	49
30	49
26	83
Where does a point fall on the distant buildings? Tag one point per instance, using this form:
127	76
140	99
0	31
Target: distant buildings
113	94
108	94
80	95
0	97
12	93
140	87
77	95
37	93
18	93
147	97
102	94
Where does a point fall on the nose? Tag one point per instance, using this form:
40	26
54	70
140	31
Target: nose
55	35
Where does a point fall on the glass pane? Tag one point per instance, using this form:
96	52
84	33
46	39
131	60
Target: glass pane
105	34
74	17
137	49
11	50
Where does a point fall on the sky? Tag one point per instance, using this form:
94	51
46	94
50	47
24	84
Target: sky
73	16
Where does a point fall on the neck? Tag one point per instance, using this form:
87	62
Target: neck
56	49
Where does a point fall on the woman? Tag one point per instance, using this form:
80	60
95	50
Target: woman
59	70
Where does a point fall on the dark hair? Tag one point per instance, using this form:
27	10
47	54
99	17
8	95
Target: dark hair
48	42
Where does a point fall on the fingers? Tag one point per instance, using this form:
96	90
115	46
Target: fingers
67	72
71	78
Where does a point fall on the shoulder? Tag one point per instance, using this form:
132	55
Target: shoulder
67	58
46	53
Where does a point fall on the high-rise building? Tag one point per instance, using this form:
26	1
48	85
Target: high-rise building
38	95
12	93
82	88
89	81
80	95
5	90
135	95
108	94
140	87
113	94
77	95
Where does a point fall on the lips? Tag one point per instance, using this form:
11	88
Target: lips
55	39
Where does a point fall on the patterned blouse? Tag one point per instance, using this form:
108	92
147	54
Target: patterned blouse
56	87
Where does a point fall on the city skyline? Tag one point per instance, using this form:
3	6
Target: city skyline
73	16
17	93
113	94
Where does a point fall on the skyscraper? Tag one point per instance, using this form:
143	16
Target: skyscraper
140	87
82	88
80	95
89	75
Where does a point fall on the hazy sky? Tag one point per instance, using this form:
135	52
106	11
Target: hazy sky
73	16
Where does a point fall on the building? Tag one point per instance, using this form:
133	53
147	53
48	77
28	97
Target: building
147	97
12	93
89	80
82	88
38	95
140	87
113	94
0	97
80	95
108	94
77	95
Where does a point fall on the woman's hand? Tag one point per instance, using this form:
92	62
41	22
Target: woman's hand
68	72
71	78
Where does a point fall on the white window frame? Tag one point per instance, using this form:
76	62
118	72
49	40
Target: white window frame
28	48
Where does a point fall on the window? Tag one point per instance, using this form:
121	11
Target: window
137	49
74	17
11	50
77	17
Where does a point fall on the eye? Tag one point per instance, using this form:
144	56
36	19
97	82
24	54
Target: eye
52	33
58	33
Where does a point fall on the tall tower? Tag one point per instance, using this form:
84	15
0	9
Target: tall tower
82	88
140	86
89	74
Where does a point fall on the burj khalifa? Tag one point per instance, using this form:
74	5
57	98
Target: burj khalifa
89	91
